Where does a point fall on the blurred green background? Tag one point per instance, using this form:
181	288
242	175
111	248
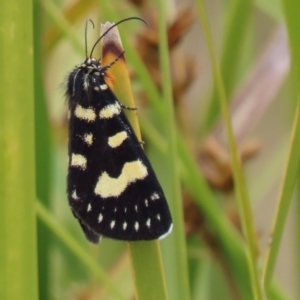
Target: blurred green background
209	254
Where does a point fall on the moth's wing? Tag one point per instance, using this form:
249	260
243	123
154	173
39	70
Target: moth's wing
112	187
90	234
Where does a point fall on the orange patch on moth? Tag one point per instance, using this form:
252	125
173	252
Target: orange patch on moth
110	79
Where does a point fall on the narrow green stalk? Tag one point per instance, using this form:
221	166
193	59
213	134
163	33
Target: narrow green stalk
236	22
18	253
145	257
240	186
297	238
73	246
147	269
284	201
292	166
42	153
177	262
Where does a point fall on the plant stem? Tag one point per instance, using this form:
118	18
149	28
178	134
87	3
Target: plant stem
18	250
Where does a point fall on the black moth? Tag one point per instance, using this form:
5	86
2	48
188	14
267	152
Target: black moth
112	188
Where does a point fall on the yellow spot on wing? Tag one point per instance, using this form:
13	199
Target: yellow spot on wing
78	160
87	114
117	139
114	187
110	110
103	87
88	138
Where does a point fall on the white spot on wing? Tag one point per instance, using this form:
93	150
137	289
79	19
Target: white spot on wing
136	226
78	160
135	208
146	202
165	234
117	139
74	195
154	196
110	110
87	114
113	187
124	225
112	224
148	223
100	218
89	208
158	216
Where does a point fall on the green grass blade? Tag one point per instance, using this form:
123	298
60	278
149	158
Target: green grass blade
18	253
240	185
237	22
43	153
284	201
292	165
145	257
147	270
177	261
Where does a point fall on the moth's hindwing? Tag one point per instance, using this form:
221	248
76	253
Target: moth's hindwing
112	188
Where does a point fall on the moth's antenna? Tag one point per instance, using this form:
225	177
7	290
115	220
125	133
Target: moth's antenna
85	34
124	20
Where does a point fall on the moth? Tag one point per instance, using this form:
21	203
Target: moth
112	188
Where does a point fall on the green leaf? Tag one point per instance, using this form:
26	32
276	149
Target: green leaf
18	252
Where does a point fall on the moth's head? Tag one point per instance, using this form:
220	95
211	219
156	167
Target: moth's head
89	76
82	79
90	63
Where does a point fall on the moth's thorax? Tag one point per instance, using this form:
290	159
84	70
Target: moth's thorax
85	78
